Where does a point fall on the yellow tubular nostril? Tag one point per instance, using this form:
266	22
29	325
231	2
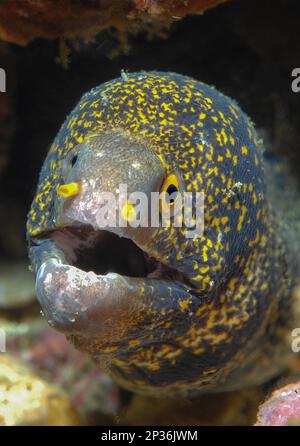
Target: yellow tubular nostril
69	190
128	211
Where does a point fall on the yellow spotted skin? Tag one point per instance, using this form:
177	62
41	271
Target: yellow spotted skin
231	329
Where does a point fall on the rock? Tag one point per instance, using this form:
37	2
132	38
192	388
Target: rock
26	400
90	389
168	9
21	22
51	357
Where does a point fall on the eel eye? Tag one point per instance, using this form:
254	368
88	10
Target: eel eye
169	192
170	186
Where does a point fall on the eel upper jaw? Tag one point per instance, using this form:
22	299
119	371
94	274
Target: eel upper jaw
81	295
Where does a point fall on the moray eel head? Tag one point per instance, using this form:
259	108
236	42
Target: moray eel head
168	308
103	278
103	281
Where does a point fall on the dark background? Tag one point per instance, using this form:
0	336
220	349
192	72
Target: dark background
246	48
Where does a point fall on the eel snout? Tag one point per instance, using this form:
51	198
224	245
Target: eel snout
84	303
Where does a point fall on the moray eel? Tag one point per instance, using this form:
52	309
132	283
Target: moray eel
166	314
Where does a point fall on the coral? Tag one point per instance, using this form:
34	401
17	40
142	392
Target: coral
174	8
27	400
282	408
89	388
51	357
20	22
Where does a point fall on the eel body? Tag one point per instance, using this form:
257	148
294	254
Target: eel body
166	313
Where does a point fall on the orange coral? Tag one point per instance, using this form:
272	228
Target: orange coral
22	21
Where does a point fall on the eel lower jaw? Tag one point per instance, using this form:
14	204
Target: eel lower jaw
102	286
79	302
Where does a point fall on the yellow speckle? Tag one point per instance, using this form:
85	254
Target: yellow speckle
244	150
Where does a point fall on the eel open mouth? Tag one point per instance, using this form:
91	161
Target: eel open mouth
96	284
104	252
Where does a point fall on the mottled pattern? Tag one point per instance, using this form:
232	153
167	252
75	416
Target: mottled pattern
229	329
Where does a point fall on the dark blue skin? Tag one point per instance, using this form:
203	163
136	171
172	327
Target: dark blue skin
192	315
